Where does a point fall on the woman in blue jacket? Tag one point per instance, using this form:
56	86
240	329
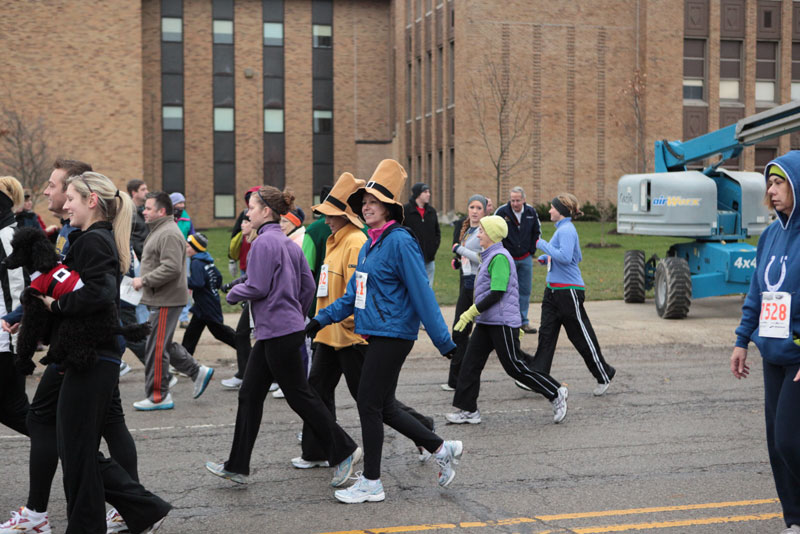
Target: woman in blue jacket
562	303
771	319
388	295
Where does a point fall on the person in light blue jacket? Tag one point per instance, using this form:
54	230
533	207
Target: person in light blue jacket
771	320
562	303
388	295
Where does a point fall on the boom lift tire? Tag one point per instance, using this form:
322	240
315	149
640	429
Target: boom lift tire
673	288
633	278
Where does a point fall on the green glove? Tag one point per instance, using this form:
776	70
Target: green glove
466	318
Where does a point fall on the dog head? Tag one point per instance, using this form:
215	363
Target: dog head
32	250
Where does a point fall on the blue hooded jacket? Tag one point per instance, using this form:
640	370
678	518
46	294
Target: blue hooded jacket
778	250
205	280
398	294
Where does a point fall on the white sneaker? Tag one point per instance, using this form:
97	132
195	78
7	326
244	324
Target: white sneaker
231	383
300	463
219	470
462	416
345	468
114	522
794	529
273	386
278	394
26	521
147	405
362	491
446	458
173	381
560	405
520	385
204	376
124	369
600	389
446	387
424	455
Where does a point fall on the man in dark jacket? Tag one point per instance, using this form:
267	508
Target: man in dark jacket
523	232
137	189
421	219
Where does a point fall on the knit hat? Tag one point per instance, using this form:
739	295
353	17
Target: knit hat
417	189
335	203
250	192
386	183
495	227
177	198
198	241
776	170
296	216
479	198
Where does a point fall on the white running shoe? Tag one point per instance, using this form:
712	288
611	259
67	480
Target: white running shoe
124	369
462	416
219	470
600	389
362	491
173	381
115	523
446	458
560	405
278	394
273	386
147	405
26	521
204	376
794	529
300	463
231	383
520	385
446	387
345	469
424	455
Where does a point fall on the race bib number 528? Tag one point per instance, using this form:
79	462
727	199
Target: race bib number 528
776	307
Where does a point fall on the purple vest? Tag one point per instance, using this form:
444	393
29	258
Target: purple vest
505	312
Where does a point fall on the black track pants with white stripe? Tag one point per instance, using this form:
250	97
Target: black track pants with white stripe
504	340
565	307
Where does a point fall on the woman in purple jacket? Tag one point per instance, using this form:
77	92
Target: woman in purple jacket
279	284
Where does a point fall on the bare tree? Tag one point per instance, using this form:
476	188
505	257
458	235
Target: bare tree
24	152
505	116
635	90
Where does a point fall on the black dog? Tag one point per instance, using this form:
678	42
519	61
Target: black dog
74	343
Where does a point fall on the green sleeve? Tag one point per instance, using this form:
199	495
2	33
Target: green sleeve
309	250
499	271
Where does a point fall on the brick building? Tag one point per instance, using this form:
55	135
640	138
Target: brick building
210	97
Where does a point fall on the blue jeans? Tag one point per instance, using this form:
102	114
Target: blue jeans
430	268
525	279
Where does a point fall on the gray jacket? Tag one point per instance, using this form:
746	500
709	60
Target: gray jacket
164	265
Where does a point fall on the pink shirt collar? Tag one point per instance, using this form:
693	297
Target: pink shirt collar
375	233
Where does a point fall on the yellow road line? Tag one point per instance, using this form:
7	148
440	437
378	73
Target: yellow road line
586	515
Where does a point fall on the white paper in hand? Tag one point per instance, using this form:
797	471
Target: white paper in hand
127	293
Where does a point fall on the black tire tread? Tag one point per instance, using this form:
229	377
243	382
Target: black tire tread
633	277
679	287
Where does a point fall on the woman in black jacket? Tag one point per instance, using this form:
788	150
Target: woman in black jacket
100	252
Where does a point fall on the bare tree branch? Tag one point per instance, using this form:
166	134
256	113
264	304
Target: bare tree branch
24	150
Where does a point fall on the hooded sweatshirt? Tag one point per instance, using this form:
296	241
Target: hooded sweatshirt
777	269
204	281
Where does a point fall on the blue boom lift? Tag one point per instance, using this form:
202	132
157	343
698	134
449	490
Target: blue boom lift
717	207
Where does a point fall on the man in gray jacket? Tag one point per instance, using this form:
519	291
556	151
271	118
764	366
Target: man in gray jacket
165	292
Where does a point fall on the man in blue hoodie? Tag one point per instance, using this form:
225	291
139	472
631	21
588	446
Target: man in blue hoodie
204	280
771	320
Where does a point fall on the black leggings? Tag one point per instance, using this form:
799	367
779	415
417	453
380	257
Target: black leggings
461	339
565	307
377	404
504	340
44	448
220	331
278	359
327	367
243	340
13	399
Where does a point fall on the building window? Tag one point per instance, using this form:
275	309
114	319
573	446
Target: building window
273	120
428	84
171	30
408	92
694	69
322	35
273	34
763	156
439	78
418	88
172	117
223	119
223	32
451	72
730	70
323	121
766	71
796	71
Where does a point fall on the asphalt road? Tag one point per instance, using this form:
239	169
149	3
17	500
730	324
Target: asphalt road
676	445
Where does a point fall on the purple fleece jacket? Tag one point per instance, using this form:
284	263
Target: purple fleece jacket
279	284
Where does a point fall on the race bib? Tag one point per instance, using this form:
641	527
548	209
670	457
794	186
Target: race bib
361	290
322	289
776	307
466	266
